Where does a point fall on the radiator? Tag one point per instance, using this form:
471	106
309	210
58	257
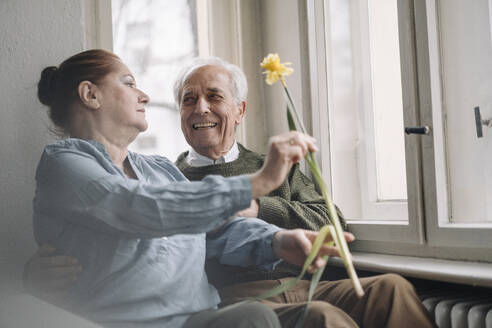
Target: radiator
459	308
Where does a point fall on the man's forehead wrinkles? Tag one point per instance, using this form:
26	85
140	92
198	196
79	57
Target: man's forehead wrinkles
193	90
214	89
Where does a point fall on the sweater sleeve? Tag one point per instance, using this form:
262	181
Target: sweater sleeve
300	205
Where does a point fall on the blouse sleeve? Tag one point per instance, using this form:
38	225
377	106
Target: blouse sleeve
73	186
244	242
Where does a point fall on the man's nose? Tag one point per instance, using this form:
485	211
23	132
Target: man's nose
202	106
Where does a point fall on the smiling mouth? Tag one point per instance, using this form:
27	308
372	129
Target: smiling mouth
201	126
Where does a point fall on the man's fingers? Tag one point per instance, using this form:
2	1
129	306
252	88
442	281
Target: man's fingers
349	237
313	234
329	250
304	243
317	264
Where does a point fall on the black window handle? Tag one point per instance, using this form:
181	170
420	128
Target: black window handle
417	130
479	122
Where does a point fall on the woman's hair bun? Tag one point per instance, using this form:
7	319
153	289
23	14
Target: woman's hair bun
47	85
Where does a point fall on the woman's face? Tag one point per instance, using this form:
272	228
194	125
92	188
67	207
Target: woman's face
122	103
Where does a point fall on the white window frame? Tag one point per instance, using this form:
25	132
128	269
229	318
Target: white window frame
98	30
321	83
428	233
372	206
440	231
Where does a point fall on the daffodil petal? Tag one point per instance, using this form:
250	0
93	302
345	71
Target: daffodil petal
275	69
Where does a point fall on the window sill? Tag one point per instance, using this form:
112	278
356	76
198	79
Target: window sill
470	273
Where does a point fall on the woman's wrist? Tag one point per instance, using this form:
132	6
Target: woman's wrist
260	186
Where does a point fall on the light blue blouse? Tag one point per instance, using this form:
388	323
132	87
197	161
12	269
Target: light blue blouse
141	243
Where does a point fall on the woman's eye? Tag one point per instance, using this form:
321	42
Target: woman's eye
131	84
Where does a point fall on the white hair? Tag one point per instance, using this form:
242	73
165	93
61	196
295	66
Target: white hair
239	84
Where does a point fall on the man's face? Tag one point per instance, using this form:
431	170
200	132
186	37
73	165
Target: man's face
209	112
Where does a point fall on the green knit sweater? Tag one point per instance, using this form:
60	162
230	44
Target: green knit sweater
295	204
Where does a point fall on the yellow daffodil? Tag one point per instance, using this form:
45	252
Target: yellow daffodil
274	69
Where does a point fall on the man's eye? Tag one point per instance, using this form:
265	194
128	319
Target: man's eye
188	100
215	96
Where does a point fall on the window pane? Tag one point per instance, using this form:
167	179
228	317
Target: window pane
387	100
466	52
366	117
154	38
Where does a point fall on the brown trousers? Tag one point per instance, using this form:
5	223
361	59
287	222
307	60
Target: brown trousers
389	301
241	315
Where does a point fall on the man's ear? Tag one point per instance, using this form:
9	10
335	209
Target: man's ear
242	111
89	94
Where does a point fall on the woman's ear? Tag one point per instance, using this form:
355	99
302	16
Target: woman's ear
89	94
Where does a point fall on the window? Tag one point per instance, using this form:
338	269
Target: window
394	64
457	160
368	114
155	38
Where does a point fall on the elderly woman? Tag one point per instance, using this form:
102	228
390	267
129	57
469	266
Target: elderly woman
134	222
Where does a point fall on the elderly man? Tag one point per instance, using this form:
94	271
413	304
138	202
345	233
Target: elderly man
211	95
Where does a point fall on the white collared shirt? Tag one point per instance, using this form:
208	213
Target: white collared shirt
195	159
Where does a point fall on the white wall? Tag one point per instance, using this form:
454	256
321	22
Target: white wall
244	32
39	33
281	34
34	34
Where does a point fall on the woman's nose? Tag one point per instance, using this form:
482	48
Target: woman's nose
144	98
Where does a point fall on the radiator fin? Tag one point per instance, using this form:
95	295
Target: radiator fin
460	309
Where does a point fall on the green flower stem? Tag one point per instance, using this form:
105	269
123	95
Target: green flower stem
318	242
335	221
337	232
292	108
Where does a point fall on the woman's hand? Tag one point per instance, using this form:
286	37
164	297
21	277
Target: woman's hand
293	246
284	151
48	275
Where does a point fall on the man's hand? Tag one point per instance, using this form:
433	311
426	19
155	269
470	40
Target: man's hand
48	275
252	211
294	246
